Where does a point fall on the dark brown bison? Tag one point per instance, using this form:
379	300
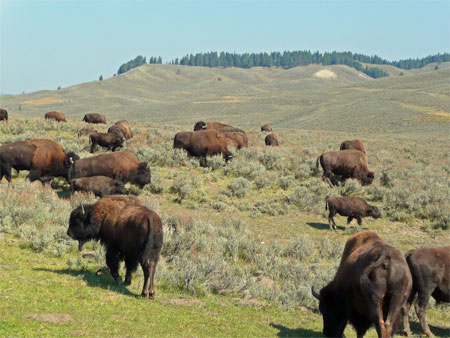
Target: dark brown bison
352	207
353	144
266	127
121	128
128	230
111	141
55	115
202	125
94	118
349	163
202	143
98	185
371	287
3	114
236	139
120	165
86	132
44	159
272	140
430	270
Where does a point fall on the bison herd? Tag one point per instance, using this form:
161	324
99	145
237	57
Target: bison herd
374	284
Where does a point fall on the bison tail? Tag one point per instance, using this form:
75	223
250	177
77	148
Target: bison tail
326	204
149	243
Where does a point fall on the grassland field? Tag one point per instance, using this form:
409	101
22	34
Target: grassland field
244	241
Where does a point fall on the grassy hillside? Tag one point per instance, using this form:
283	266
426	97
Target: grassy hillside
311	97
244	241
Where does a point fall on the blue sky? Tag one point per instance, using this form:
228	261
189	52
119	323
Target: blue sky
46	44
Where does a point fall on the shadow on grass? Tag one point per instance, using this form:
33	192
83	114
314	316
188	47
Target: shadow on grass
416	330
323	226
287	332
93	280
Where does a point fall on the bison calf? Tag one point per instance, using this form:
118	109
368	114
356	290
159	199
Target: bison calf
99	185
111	141
127	229
353	207
430	270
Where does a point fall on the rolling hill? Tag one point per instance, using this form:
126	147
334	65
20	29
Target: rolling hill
310	97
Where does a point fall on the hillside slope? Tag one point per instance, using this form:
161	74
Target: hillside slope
308	97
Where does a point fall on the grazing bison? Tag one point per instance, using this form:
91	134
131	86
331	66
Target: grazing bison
99	185
201	125
120	165
55	115
3	114
350	163
121	128
352	207
371	286
353	144
128	230
272	140
111	141
44	159
202	143
86	132
94	118
266	127
430	270
236	139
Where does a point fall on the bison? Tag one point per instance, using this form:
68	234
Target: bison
127	229
55	115
353	144
266	127
3	114
236	139
121	128
111	141
272	140
99	185
430	270
371	286
352	207
44	159
350	163
201	125
94	118
202	143
86	132
120	165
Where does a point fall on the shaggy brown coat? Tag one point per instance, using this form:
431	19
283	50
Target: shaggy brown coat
111	141
272	140
353	144
94	118
236	139
430	270
98	185
128	230
121	128
266	127
86	132
202	143
370	287
349	163
55	115
3	114
120	165
352	207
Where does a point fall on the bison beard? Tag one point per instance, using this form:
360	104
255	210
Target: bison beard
128	230
371	287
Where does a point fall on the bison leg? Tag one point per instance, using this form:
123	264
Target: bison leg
405	314
113	262
349	219
34	174
149	268
5	170
93	146
131	265
327	178
421	308
331	221
358	218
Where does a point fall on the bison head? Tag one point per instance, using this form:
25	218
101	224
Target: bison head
333	312
368	179
119	188
142	176
80	228
374	212
200	125
70	158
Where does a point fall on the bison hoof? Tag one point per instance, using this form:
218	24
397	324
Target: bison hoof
149	295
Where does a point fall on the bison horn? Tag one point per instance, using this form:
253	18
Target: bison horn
314	293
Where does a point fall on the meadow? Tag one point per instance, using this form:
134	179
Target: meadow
244	240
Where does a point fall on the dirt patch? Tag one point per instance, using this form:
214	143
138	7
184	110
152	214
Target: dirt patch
54	318
251	302
45	100
325	74
184	302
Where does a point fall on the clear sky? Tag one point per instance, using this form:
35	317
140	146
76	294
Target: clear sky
46	44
